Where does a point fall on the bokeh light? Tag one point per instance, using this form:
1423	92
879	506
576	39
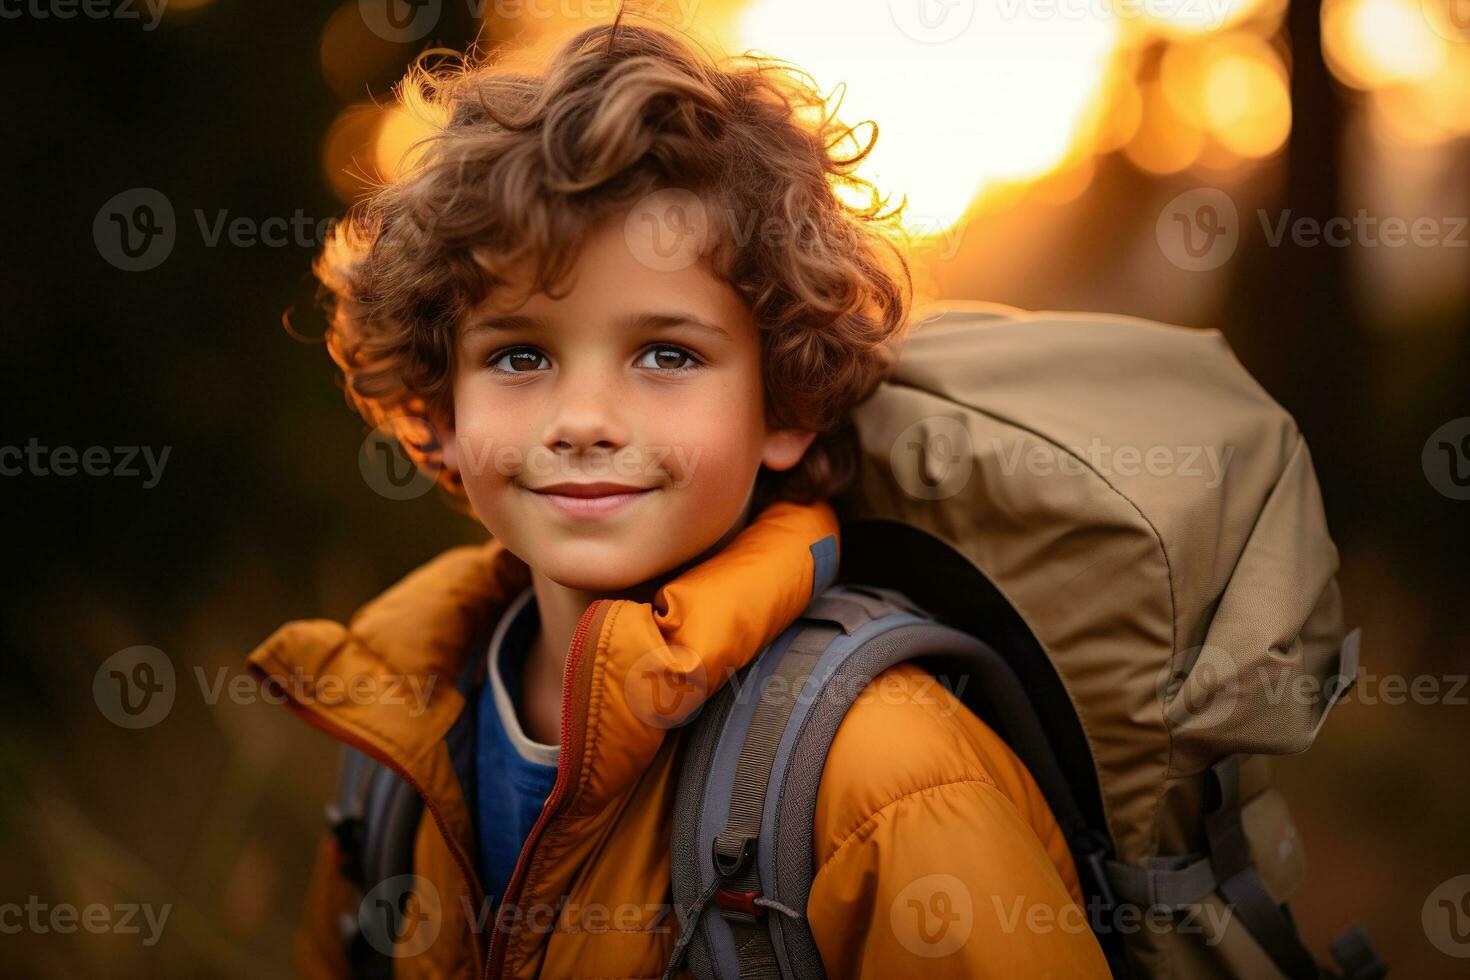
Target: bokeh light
1182	18
1371	44
1008	98
1407	58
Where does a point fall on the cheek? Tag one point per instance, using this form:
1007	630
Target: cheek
488	439
715	445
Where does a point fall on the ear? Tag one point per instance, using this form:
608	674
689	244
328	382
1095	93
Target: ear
443	429
785	447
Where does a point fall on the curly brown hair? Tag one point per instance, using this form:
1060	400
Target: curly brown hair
520	167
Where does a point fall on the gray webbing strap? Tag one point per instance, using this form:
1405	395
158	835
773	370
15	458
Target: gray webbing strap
1240	883
1174	883
848	612
777	698
734	847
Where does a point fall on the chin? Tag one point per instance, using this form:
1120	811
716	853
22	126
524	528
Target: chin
598	572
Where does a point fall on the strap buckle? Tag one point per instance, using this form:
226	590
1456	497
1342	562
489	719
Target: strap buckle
1090	851
348	829
1356	957
740	903
733	856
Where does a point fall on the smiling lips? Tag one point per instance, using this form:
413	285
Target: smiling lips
589	499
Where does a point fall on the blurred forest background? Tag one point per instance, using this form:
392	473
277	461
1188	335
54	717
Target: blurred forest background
1049	149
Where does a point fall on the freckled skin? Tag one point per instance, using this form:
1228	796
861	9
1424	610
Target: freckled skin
587	396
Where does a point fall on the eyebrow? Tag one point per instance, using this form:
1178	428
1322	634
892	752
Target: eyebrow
630	322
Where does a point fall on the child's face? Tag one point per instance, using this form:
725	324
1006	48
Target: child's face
615	383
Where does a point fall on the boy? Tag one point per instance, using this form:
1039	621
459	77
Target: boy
635	315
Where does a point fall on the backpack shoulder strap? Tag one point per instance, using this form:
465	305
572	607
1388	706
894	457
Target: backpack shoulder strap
375	819
750	768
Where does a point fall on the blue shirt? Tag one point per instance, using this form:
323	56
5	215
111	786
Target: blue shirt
513	774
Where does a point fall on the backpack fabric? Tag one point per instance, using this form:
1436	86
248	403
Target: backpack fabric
1120	545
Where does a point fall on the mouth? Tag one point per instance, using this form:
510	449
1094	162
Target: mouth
590	500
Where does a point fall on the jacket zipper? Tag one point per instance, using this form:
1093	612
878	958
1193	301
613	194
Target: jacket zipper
495	955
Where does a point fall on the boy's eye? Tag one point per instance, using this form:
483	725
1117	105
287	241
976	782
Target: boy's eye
664	357
518	360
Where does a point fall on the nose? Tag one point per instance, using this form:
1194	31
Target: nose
589	415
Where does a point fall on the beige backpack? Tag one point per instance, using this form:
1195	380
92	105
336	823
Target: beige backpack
1151	526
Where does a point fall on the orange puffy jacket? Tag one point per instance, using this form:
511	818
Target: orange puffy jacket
936	855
